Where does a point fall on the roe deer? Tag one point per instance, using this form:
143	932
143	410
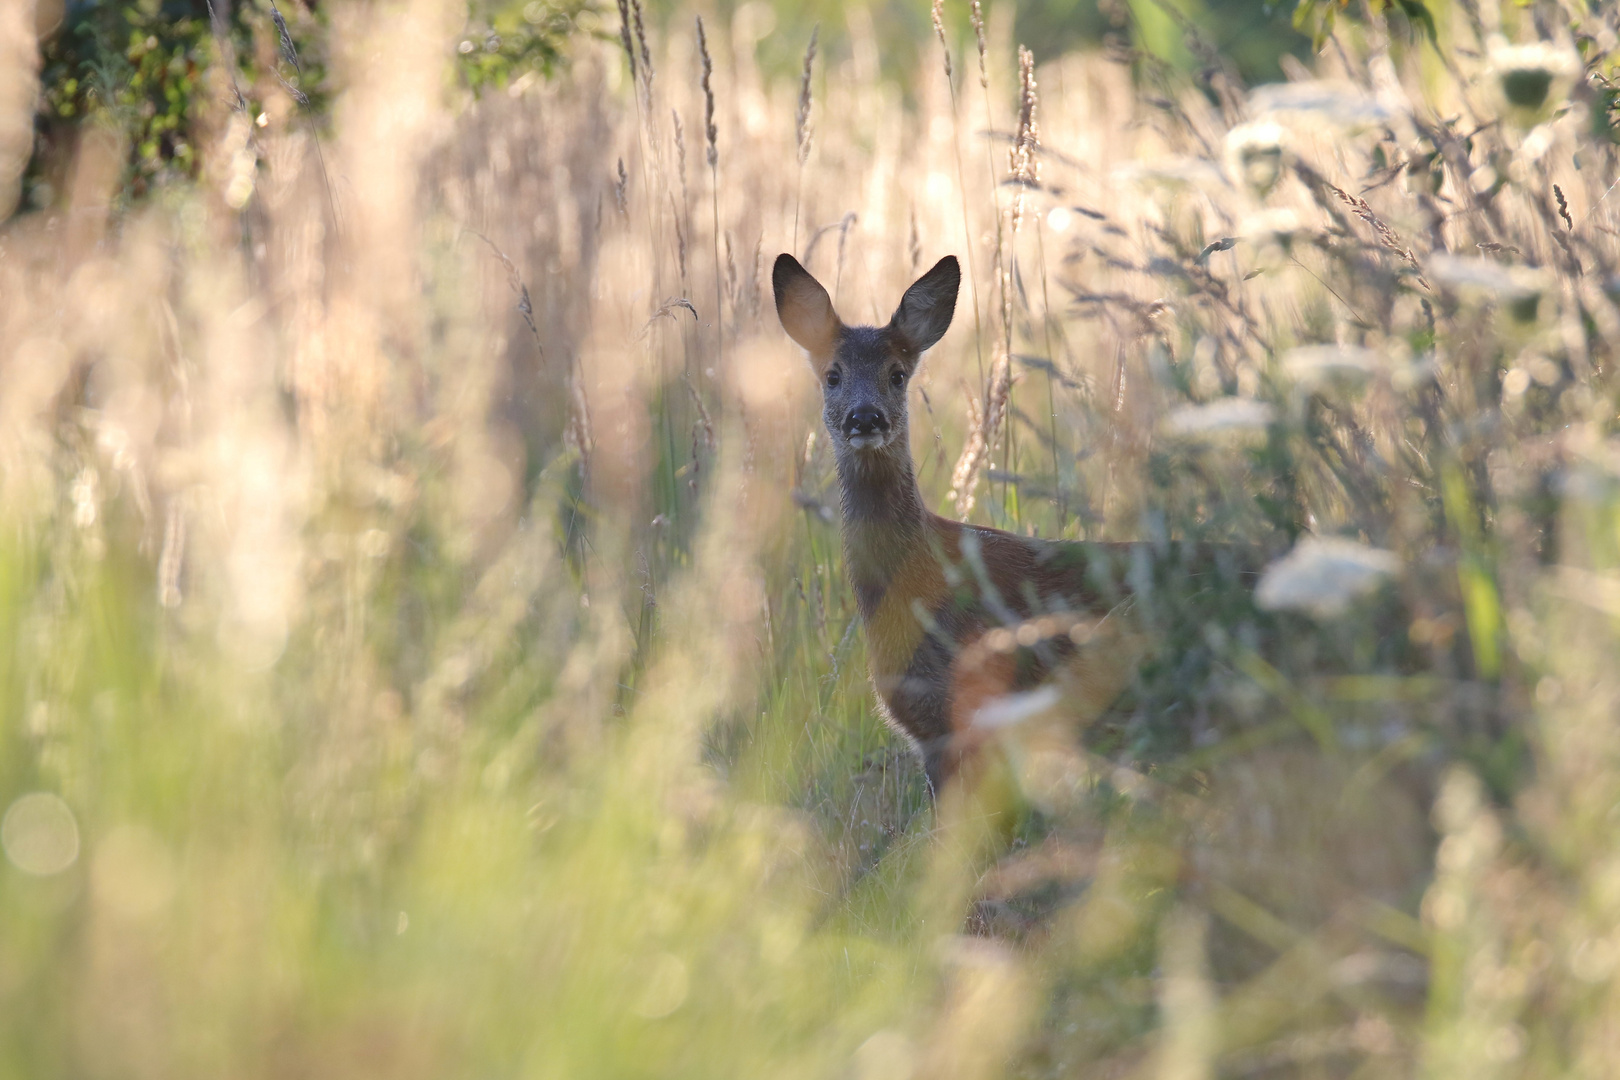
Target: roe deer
957	617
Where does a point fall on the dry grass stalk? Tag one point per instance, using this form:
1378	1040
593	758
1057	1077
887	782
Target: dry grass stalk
172	559
680	240
914	244
577	435
1003	277
19	62
1005	282
624	38
802	130
984	425
646	54
802	127
667	310
710	132
680	153
514	280
937	13
752	298
965	477
703	437
844	225
977	16
1021	159
1386	235
731	273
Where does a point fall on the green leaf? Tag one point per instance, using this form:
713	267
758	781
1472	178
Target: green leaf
1418	12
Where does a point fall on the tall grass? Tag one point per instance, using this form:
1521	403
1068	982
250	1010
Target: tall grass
420	654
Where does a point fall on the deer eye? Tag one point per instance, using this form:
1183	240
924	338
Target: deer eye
897	377
834	378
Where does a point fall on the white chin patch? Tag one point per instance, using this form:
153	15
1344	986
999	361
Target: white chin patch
868	442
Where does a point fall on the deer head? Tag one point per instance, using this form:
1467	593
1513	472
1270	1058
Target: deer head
863	370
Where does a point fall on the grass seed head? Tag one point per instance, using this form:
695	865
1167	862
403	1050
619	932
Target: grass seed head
937	14
1531	80
624	37
984	425
680	151
1023	164
641	41
710	132
1255	153
976	15
802	127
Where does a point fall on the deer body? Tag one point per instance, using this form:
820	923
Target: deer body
959	616
956	616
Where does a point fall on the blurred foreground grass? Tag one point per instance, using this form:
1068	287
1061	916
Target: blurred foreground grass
423	649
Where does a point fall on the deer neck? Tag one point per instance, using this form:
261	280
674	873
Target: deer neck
885	521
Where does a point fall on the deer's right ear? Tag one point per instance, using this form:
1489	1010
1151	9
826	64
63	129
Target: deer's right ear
805	309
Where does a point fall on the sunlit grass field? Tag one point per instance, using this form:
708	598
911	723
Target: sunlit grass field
424	649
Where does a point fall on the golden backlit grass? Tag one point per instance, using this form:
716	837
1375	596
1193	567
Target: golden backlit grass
424	651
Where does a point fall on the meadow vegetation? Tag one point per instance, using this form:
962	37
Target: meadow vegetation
423	642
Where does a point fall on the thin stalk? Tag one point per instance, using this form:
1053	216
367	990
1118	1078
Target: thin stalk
961	187
1051	389
719	316
798	198
802	129
711	134
995	198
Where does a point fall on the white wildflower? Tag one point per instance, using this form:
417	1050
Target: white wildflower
1462	272
1531	79
1255	152
1517	288
1339	104
1271	227
1319	367
1323	575
1173	173
1232	419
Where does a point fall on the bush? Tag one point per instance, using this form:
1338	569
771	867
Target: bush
160	73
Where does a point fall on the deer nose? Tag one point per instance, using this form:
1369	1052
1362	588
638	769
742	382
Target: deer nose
865	420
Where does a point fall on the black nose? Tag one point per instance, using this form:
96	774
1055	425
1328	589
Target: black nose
865	420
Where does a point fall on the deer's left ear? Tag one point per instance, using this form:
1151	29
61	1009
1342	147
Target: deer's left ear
925	311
